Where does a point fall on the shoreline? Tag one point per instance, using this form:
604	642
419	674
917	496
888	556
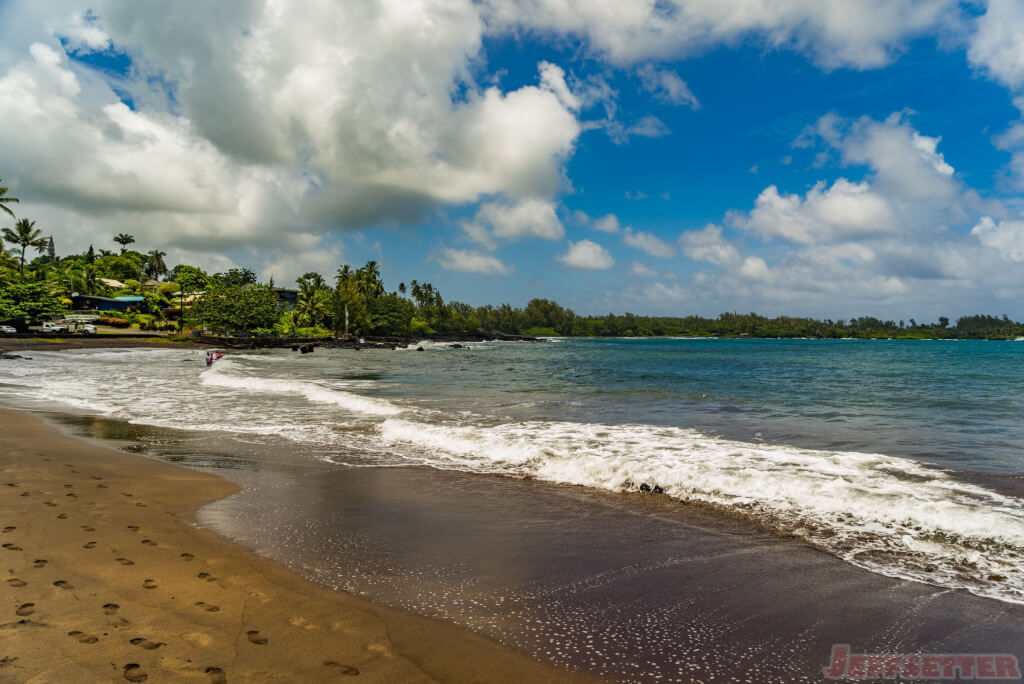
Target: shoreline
107	577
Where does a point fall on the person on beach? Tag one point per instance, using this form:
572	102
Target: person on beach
209	359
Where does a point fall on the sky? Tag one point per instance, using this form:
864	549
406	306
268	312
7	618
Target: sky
667	157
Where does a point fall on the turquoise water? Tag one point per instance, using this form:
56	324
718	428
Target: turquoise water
901	457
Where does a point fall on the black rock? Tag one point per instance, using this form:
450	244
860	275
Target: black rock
657	490
644	487
419	348
456	346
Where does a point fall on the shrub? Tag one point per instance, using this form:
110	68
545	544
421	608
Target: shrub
114	322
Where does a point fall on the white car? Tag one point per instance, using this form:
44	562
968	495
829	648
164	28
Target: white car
86	329
54	328
8	330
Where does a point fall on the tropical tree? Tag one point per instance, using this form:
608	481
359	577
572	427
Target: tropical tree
314	301
155	266
24	235
4	200
124	239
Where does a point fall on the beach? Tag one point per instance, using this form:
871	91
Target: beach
639	511
108	579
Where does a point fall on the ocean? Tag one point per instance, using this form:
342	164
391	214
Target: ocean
901	458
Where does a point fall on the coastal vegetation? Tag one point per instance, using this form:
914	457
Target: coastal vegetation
356	301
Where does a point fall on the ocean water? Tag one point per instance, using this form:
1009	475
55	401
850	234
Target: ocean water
900	457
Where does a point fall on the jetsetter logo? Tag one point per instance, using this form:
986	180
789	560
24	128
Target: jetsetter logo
964	667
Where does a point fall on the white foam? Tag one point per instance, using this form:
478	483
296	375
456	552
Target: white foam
892	516
220	375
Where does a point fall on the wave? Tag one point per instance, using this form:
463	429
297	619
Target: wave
888	515
220	376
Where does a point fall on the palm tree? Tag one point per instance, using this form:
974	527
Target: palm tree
155	266
401	287
4	201
124	240
24	235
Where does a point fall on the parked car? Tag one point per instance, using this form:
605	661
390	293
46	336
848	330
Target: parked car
7	330
54	328
86	329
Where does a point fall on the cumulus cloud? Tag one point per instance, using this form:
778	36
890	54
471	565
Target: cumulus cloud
471	262
528	218
1005	236
708	244
283	118
642	270
608	223
666	85
997	43
588	256
649	243
842	211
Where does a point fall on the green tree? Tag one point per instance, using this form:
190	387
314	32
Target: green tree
155	266
190	280
24	235
5	200
236	308
314	301
237	276
124	239
23	303
391	314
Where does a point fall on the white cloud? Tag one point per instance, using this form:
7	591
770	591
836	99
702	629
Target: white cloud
528	218
285	118
587	255
666	85
608	223
708	244
835	33
648	127
642	270
997	44
1007	237
649	243
472	262
844	210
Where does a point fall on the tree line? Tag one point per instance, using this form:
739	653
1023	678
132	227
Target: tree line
355	301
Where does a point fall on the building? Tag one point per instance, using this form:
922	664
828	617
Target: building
93	303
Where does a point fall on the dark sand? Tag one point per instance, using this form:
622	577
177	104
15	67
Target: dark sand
16	345
107	579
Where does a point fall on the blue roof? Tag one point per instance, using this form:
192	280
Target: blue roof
129	299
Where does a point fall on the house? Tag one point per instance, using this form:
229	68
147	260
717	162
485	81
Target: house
112	284
93	303
287	300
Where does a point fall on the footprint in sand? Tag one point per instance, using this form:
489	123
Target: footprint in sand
208	607
217	675
141	505
39	563
187	556
146	643
75	472
62	516
63	584
133	528
12	547
89	545
126	494
133	673
9	528
342	669
68	486
96	477
26	494
102	486
125	561
12	484
149	584
15	582
51	504
254	637
25	609
110	608
83	638
72	494
206	576
88	528
149	542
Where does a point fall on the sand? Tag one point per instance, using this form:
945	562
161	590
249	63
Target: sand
107	578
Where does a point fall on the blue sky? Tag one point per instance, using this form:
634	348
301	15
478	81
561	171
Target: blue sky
809	158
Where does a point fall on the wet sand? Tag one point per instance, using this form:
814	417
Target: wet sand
17	345
106	578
